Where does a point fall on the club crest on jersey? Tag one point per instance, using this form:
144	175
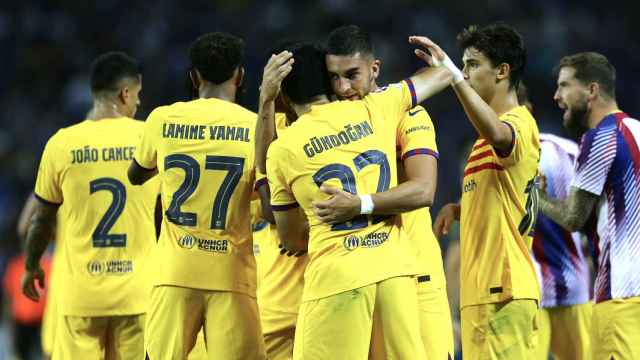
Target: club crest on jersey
95	268
187	241
351	242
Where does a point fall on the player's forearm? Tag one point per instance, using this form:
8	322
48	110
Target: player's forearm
431	81
483	117
559	212
138	175
408	196
265	132
41	230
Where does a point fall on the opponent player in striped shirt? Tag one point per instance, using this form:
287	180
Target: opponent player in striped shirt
358	263
498	205
562	268
353	70
606	185
107	225
203	152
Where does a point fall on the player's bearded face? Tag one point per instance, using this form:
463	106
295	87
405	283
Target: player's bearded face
352	77
571	97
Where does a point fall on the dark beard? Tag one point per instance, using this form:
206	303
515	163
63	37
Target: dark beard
577	124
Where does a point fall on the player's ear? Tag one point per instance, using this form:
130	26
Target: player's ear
593	91
123	95
196	78
239	75
375	68
503	71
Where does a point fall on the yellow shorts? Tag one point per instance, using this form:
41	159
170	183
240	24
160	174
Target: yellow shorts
229	319
506	330
565	331
342	326
616	329
49	322
435	320
104	337
279	333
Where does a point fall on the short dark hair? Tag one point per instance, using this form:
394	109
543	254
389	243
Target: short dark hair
108	69
308	77
216	56
501	44
349	40
592	67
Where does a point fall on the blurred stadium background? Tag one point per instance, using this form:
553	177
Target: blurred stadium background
47	46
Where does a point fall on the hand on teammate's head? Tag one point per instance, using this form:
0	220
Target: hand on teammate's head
277	68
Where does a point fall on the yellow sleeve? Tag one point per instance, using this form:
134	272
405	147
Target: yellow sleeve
281	195
48	186
146	151
394	100
416	134
520	131
281	122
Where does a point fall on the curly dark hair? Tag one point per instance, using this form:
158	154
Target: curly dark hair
308	77
216	56
501	44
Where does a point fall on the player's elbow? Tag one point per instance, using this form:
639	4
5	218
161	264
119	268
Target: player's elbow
574	223
134	178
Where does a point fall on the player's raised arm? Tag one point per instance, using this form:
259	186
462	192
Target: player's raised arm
482	116
277	68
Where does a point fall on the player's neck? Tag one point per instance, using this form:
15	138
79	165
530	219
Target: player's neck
301	109
104	110
600	110
503	103
222	92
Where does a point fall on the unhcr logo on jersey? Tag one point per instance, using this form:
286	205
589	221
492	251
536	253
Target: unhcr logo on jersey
187	241
370	240
95	268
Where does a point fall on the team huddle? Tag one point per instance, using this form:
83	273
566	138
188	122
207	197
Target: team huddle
303	232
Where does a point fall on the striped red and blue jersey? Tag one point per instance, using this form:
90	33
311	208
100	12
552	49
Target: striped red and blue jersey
609	166
564	272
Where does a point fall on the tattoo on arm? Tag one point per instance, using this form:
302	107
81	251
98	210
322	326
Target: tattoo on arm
40	233
571	213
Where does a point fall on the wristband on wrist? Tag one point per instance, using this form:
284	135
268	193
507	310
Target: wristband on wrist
366	204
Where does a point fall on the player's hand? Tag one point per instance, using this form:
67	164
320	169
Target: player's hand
277	68
29	288
436	57
340	207
446	217
284	251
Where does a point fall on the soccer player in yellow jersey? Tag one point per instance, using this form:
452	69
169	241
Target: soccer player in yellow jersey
499	288
358	266
280	277
108	224
353	70
205	272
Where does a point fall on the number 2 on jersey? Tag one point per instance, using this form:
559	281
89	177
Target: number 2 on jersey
234	167
101	236
348	181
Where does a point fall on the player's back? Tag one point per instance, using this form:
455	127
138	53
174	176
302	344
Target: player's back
205	155
349	145
107	224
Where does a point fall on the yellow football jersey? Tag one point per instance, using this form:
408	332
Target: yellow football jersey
416	136
498	209
107	224
280	277
204	152
350	145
